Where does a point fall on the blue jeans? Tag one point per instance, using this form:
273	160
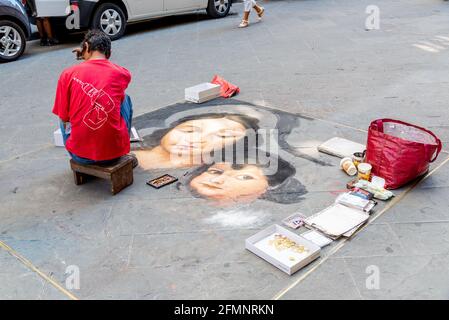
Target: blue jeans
126	111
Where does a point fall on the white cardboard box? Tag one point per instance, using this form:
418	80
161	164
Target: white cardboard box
255	244
57	138
202	92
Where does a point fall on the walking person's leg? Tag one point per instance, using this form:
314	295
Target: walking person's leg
49	32
41	30
46	32
247	5
260	10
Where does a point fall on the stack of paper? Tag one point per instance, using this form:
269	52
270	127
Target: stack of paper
352	201
337	220
317	238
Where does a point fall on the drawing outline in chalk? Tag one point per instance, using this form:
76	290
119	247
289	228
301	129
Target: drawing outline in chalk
101	105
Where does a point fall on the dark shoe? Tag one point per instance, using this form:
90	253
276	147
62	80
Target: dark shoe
53	42
44	42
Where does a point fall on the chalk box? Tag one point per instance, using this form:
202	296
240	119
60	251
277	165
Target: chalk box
279	258
202	92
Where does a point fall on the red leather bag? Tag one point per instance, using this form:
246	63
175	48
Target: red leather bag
400	152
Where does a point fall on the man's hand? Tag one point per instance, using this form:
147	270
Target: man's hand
79	53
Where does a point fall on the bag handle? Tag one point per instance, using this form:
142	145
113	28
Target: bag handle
379	126
440	146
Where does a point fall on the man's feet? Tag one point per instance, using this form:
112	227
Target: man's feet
43	42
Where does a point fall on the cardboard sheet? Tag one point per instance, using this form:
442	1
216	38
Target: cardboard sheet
341	147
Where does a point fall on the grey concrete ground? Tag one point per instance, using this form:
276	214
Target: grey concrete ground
313	58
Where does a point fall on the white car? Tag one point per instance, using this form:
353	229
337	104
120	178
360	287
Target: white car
112	16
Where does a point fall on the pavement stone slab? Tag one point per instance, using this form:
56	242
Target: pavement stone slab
20	283
335	282
407	277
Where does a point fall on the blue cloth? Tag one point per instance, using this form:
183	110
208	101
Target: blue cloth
126	111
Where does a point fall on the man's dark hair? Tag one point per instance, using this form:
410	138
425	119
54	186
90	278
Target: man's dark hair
98	41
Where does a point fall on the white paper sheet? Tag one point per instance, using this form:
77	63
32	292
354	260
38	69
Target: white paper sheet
317	238
337	220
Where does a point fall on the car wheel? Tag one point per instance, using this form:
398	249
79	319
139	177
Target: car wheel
110	19
218	8
12	41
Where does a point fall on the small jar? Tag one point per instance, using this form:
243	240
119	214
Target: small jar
358	158
364	171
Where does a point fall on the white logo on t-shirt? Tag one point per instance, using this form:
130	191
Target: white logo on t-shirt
101	105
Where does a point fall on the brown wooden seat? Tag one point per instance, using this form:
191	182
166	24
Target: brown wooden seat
119	173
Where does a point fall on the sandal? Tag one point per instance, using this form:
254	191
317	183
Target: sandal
261	13
244	24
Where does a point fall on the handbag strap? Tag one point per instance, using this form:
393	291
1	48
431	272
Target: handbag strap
440	146
379	126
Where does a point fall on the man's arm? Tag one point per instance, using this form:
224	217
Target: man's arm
61	107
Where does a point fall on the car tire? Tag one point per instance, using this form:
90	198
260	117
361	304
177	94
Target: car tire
219	8
15	40
110	19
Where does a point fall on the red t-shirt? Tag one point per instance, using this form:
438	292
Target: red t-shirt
89	96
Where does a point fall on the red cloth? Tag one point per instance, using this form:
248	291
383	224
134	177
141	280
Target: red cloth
227	89
89	96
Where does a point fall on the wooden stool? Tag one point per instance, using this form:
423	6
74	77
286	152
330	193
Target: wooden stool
120	173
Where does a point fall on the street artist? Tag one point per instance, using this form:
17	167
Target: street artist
91	103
